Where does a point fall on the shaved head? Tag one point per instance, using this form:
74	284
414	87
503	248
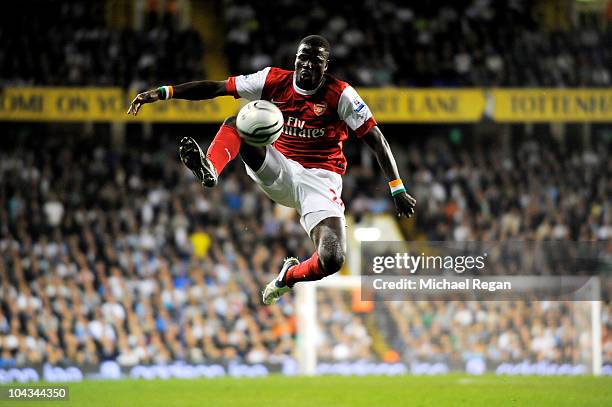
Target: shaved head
316	42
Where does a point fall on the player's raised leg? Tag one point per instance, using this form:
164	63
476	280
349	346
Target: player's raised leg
193	157
223	149
329	237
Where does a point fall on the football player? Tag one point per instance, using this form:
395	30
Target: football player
302	169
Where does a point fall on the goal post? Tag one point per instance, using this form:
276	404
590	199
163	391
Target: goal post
596	338
306	310
596	331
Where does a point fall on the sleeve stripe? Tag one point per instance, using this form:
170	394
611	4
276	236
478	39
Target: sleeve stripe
365	127
250	87
354	111
230	87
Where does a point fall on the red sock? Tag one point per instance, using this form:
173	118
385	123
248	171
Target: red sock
308	270
224	147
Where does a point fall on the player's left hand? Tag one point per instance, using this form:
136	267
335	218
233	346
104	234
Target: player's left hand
404	203
149	96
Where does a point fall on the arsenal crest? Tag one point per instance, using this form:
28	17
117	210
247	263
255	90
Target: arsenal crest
319	108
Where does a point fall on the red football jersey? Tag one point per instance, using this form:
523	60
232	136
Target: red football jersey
316	122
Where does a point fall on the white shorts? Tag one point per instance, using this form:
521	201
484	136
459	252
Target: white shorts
313	192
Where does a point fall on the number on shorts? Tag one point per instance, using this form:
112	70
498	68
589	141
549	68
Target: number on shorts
336	198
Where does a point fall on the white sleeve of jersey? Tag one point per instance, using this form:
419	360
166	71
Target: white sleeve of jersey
352	109
251	86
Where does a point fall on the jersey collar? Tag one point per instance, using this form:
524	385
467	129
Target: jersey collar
305	92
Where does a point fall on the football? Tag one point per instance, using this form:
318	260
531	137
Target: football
260	123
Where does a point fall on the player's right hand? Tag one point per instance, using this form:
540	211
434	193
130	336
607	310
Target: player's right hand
149	96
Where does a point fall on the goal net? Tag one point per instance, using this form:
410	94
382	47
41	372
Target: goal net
338	333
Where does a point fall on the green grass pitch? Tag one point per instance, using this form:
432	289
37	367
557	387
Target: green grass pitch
367	391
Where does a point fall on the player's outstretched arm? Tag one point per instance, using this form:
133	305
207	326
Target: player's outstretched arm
404	203
198	90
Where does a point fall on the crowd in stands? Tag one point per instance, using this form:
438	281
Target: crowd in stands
68	43
374	43
115	252
496	331
441	43
535	190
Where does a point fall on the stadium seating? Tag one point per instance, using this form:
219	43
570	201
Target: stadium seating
113	251
69	44
461	43
443	43
116	253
